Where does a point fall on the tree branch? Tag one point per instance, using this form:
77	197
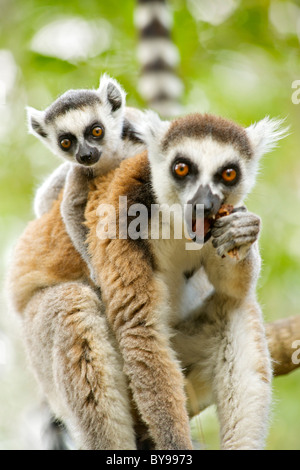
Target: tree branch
281	335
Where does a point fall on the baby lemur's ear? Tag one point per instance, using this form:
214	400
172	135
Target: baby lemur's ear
36	122
265	134
151	130
111	93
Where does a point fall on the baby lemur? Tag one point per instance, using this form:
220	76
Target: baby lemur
198	159
94	132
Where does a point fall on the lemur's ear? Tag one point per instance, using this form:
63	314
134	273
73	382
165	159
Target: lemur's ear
36	122
111	92
265	134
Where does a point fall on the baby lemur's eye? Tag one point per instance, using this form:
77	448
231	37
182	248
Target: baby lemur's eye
229	175
181	169
65	144
97	132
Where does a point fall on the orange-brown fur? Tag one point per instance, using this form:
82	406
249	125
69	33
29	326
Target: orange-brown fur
44	256
132	295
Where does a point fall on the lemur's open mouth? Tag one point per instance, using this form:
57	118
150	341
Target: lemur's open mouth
202	227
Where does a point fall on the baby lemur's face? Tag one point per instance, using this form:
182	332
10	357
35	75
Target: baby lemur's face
208	161
82	126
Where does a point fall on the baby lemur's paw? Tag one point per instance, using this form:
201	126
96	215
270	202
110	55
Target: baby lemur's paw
76	189
234	235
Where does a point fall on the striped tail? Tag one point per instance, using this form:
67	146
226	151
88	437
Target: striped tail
159	84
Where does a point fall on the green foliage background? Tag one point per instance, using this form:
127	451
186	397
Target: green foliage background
242	69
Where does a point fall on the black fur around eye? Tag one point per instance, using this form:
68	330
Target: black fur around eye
97	132
229	175
65	142
183	168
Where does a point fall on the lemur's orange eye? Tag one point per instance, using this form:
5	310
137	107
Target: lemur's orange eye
181	169
97	132
229	175
66	144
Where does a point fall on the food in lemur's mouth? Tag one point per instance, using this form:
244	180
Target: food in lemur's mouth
225	210
208	222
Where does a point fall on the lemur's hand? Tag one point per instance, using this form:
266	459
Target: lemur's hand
235	233
76	189
73	208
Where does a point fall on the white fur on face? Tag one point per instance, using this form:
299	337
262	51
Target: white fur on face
76	121
209	156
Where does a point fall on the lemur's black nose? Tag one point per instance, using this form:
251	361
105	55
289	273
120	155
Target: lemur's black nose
86	159
87	155
210	202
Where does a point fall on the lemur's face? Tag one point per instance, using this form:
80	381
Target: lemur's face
204	175
207	173
207	161
82	134
82	126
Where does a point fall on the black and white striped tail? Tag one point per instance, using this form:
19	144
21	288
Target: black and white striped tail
159	84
